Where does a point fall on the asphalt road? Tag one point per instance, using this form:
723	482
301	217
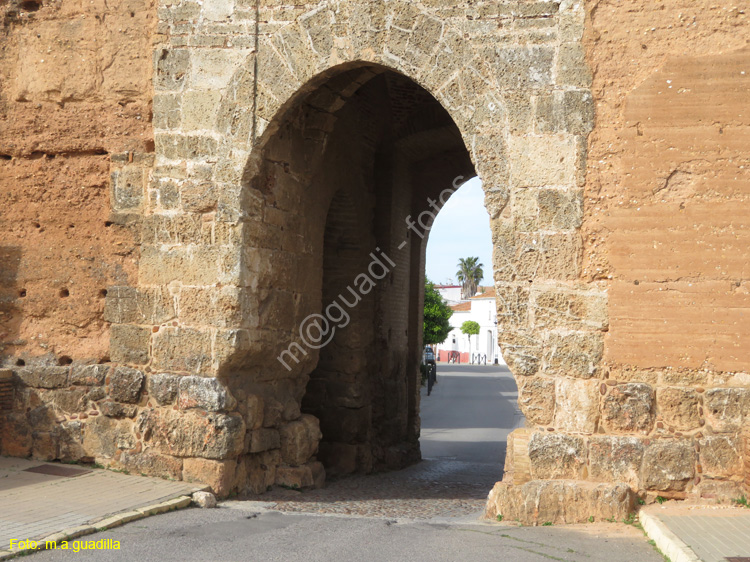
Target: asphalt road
240	531
465	422
469	414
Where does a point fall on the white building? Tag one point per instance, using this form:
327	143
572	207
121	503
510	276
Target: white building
450	293
479	348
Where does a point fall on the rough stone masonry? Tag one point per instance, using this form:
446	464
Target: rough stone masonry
184	182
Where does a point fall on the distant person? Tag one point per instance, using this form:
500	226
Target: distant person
428	358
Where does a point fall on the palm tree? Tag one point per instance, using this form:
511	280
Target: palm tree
469	274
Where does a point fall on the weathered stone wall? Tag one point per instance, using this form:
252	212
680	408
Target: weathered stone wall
666	207
75	92
291	141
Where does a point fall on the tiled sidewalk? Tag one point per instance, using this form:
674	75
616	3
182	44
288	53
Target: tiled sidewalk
709	533
34	505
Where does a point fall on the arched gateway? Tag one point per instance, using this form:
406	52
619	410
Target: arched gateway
313	155
274	332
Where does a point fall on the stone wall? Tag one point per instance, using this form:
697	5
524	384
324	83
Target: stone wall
146	308
75	92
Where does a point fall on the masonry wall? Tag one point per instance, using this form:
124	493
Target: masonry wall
665	226
612	146
75	94
668	197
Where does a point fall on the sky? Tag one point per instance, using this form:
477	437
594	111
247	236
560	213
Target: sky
461	230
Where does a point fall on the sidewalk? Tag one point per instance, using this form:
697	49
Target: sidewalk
56	501
692	533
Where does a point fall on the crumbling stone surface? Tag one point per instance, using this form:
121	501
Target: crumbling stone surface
726	408
556	456
679	407
720	456
153	464
668	464
221	475
559	501
125	385
628	408
189	434
205	393
616	459
163	387
536	397
299	440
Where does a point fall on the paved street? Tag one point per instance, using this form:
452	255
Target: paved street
429	511
242	531
465	423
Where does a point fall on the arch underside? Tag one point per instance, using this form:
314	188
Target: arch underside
349	163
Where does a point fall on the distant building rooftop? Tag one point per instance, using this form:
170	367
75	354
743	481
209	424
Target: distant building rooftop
489	293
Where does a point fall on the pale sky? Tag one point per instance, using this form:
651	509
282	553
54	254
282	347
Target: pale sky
461	230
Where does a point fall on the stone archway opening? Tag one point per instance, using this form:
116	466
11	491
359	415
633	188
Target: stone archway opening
343	181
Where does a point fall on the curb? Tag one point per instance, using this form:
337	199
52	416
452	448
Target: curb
102	525
669	543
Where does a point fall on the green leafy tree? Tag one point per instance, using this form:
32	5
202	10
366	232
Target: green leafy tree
470	328
436	316
469	274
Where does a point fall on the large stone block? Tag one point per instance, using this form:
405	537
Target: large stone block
573	354
668	464
522	350
128	188
163	387
125	385
16	439
544	160
523	67
44	445
721	456
557	456
559	209
171	68
263	440
199	109
679	407
616	459
299	440
572	69
103	436
182	349
209	306
212	69
220	475
89	375
44	377
128	305
726	407
539	502
130	344
569	111
190	434
152	464
71	440
204	393
577	405
556	307
261	470
536	397
628	408
117	410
